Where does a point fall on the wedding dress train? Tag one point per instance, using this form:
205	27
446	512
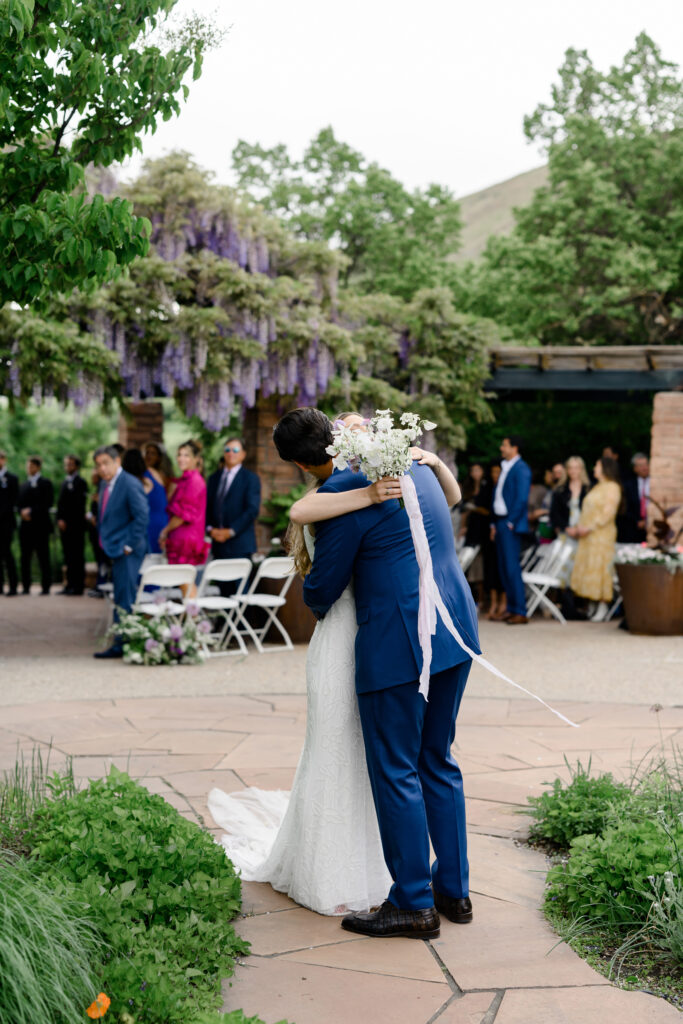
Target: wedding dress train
320	844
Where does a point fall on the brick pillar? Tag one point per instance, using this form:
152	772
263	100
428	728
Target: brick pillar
263	459
145	423
666	460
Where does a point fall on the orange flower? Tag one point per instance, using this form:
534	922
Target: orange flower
99	1007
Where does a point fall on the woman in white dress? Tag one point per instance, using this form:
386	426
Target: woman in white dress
320	844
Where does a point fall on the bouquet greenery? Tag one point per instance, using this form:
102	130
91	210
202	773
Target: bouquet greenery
160	640
381	449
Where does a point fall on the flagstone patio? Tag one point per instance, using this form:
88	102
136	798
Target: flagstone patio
505	966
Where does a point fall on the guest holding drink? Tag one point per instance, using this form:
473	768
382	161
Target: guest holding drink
183	536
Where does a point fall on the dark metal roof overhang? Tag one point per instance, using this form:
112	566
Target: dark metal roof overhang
583	368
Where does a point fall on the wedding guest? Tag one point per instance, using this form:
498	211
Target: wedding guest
159	474
103	563
71	508
597	534
565	507
158	463
232	504
475	524
559	474
122	525
492	582
9	491
636	496
510	503
36	497
134	463
183	536
538	492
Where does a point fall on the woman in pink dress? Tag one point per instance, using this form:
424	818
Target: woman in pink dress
183	537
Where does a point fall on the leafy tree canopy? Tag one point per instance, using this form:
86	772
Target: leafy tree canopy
597	256
396	241
80	82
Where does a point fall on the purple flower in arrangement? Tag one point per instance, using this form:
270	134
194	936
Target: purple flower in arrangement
204	626
192	608
176	631
151	644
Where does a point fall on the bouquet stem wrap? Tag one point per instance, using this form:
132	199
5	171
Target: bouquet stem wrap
431	602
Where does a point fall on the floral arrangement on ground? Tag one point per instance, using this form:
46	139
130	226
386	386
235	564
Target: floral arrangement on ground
615	888
111	905
162	640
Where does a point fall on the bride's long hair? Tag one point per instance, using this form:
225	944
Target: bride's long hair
295	542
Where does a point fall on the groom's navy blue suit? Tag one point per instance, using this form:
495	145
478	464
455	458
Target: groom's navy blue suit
416	783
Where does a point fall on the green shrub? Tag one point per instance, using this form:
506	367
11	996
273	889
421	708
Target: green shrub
46	950
158	888
607	876
583	806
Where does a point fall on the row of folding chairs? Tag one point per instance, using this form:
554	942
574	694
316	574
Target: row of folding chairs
173	583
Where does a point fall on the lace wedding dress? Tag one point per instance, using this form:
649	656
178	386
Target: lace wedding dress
320	844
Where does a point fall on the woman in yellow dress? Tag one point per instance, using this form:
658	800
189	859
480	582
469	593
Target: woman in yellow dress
597	532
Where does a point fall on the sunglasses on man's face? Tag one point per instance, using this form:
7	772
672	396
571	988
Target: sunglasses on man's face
236	448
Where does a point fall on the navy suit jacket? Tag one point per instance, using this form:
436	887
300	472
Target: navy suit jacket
375	547
238	511
124	523
516	496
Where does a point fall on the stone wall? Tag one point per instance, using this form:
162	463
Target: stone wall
262	457
666	457
146	423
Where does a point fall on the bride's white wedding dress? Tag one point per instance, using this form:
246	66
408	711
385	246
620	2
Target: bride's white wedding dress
320	844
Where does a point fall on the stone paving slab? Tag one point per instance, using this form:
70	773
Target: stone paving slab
584	1006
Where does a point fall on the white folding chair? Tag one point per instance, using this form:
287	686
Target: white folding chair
166	577
466	556
277	568
224	570
540	581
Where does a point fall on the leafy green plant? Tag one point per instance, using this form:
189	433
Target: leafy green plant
24	789
278	506
607	876
583	806
47	950
159	890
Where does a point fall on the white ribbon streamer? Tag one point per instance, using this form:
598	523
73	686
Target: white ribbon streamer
430	601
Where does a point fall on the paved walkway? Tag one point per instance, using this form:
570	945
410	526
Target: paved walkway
241	723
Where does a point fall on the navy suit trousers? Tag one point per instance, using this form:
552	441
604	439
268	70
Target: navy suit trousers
417	786
124	574
508	550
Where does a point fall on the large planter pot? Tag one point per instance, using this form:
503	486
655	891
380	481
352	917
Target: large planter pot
653	599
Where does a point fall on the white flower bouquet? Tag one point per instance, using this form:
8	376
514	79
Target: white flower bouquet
642	554
161	641
380	450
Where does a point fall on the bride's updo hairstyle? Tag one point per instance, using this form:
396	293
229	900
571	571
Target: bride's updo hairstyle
295	543
302	436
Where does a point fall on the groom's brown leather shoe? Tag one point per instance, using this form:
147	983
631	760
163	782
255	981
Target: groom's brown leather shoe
456	909
390	921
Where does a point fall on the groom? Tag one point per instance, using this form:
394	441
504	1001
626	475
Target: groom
416	783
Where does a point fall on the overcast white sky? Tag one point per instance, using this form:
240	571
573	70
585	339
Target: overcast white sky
434	90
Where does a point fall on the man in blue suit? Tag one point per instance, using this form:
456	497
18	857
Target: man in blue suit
122	517
233	499
511	523
416	783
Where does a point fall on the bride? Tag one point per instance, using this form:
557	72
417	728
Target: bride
320	843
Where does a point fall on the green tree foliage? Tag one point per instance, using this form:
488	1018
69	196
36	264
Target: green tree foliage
80	83
395	240
597	256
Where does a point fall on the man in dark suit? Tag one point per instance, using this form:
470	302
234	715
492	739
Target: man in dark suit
233	500
123	514
632	525
511	524
416	784
71	522
36	497
9	491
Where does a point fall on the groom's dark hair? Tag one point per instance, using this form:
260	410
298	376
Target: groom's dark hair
302	436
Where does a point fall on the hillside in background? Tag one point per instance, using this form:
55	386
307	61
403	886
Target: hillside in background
489	212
